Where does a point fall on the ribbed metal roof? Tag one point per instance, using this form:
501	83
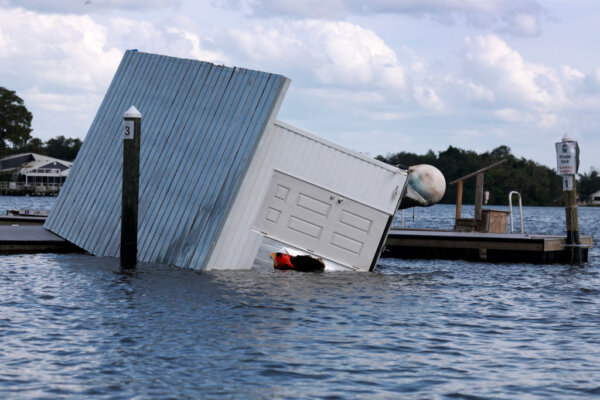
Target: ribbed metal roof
200	127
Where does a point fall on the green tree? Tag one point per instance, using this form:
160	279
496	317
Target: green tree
34	145
63	148
588	184
538	184
15	121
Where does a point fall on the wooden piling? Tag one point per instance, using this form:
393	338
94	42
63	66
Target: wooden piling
459	195
478	196
572	223
131	176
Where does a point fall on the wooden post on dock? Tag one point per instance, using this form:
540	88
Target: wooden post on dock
459	194
567	165
572	220
478	196
131	176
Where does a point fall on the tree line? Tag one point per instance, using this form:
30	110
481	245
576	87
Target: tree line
537	184
15	132
59	147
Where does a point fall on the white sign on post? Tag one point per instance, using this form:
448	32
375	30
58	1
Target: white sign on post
127	129
566	158
568	182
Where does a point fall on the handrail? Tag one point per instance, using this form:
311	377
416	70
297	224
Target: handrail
511	210
462	178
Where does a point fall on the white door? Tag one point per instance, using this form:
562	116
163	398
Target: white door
320	221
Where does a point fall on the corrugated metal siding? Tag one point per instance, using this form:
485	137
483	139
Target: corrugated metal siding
310	158
200	127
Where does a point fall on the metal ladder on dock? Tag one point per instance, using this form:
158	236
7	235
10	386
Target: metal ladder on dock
510	195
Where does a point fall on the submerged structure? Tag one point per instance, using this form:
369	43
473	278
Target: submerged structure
218	173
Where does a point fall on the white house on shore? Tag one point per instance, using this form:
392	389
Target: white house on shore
32	172
595	198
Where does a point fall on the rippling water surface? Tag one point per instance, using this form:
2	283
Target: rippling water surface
76	326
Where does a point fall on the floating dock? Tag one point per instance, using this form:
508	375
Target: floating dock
33	239
400	243
20	220
478	246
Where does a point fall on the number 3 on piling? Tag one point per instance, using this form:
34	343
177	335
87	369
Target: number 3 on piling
127	129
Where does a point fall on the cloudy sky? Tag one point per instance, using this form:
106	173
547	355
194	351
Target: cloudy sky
377	76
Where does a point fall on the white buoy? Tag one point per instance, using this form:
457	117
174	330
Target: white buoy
426	186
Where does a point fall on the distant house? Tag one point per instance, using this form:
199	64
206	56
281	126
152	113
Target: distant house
32	173
595	198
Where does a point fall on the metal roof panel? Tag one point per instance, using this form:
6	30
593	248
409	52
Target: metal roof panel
200	128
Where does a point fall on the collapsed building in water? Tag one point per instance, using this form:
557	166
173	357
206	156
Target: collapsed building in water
219	173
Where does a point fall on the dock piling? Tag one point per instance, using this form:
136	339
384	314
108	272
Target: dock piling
459	195
131	176
572	222
567	165
478	196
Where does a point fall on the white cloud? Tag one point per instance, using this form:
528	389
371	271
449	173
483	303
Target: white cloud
333	53
56	50
479	93
535	121
57	64
489	60
168	39
198	50
89	6
301	9
428	98
549	121
513	116
519	17
64	63
526	24
593	80
368	141
60	103
387	116
343	96
572	75
534	96
525	93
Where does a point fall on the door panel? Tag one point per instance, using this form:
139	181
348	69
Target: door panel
317	220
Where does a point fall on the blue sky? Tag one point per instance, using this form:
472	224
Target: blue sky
379	77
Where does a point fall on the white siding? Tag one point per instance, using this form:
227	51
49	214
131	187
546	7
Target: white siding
314	160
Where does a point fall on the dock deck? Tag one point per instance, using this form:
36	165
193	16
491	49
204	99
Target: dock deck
476	246
21	220
401	243
33	239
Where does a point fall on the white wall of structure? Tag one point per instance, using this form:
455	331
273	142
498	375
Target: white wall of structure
302	155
